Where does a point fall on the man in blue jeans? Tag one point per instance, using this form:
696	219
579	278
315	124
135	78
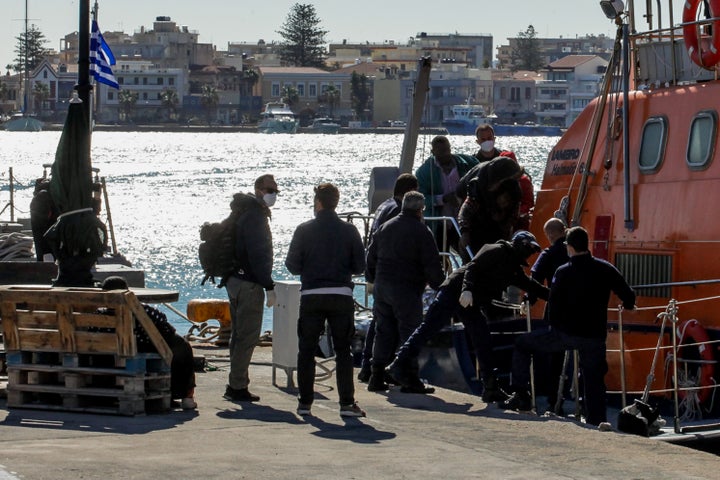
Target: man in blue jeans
326	252
577	311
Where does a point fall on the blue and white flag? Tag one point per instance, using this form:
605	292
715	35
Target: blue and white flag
101	57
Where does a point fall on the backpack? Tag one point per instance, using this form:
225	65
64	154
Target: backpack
217	250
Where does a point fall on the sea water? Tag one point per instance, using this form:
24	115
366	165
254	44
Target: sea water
163	186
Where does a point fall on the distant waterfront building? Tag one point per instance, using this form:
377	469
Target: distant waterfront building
311	85
514	96
569	84
553	49
480	45
148	82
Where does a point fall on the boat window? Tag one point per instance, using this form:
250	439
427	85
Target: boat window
701	140
652	147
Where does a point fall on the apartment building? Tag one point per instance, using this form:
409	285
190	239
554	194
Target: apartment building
569	84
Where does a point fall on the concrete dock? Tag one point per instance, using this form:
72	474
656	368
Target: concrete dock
447	435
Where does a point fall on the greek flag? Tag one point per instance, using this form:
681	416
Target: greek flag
101	57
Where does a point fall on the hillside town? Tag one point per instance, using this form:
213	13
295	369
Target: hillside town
167	76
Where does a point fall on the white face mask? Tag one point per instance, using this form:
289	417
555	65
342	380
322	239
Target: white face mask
487	146
269	199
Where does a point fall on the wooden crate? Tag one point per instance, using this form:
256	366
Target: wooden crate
74	349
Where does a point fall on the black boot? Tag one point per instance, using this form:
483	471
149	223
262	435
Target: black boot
364	374
491	389
400	372
377	379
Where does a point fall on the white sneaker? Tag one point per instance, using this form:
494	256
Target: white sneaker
188	403
303	409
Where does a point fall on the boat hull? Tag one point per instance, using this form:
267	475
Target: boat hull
23	124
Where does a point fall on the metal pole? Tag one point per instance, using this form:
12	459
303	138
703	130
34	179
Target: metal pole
676	400
109	216
532	360
623	386
411	130
83	85
629	222
12	196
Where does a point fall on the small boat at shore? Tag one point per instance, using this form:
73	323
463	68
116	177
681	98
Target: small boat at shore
325	125
23	123
277	118
465	118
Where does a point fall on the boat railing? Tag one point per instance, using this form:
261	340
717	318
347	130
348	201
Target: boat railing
685	385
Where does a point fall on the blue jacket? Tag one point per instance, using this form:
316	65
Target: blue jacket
326	252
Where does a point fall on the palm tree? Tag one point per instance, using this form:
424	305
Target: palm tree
209	101
127	100
331	96
40	94
169	100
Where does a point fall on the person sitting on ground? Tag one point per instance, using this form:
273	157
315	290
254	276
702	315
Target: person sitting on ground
468	293
577	310
182	369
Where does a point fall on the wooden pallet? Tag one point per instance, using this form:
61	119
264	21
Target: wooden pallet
64	354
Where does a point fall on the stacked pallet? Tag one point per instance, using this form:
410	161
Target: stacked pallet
74	349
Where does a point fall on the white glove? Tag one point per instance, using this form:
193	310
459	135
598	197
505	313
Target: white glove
270	298
466	299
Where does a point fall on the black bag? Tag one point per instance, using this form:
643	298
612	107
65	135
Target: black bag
217	250
639	419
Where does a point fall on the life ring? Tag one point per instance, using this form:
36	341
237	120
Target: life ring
706	58
691	332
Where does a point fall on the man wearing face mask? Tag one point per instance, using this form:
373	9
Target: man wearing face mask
251	283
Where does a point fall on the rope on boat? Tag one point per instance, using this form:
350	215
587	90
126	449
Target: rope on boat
15	245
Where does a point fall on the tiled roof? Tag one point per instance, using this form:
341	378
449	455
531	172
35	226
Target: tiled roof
571	61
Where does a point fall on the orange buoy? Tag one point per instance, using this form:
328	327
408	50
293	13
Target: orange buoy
691	332
707	58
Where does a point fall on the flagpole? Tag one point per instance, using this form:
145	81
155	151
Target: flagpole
83	85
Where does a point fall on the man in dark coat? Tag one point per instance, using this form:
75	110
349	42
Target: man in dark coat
390	208
326	252
577	310
468	293
402	259
249	285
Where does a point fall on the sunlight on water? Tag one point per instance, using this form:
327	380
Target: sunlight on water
163	186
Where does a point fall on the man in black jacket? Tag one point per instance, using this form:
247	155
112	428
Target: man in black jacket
390	208
248	286
577	310
326	252
468	293
402	258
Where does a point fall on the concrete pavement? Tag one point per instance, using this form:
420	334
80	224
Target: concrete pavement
448	435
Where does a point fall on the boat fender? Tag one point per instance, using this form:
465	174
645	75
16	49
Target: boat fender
706	58
690	332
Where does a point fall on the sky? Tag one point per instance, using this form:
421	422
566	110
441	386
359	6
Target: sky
222	21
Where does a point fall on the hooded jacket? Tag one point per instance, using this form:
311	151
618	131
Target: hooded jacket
253	240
